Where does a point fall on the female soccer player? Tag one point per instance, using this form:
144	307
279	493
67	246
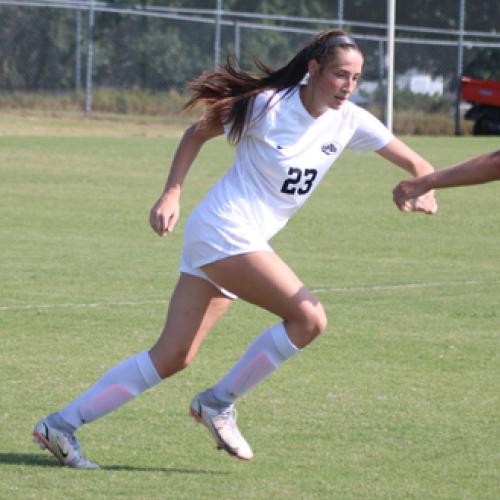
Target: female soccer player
289	126
477	170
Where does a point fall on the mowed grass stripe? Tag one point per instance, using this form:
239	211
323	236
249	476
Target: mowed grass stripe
320	290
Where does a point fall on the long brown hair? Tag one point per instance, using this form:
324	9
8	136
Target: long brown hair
230	91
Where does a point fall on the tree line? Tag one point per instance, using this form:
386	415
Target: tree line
39	47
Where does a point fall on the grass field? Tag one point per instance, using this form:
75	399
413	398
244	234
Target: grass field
399	399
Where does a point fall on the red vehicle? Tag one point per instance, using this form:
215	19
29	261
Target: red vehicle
484	95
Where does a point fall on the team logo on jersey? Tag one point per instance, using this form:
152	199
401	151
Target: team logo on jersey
329	148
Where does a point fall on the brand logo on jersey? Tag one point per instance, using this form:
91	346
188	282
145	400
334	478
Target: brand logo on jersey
329	148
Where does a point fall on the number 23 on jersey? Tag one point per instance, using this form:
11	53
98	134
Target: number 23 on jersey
299	181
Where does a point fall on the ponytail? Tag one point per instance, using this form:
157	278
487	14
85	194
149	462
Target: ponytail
229	93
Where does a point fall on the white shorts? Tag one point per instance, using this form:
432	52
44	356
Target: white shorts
208	239
187	267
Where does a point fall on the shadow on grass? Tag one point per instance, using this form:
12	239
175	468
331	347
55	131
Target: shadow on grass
41	461
27	459
160	469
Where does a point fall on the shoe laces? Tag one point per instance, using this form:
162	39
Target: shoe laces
229	412
229	416
73	441
79	459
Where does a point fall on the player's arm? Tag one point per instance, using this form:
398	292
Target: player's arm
400	154
478	170
165	212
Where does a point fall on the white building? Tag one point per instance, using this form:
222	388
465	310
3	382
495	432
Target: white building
420	83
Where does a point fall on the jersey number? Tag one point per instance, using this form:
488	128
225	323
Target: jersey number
293	183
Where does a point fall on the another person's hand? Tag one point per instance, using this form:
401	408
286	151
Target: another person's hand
165	213
413	195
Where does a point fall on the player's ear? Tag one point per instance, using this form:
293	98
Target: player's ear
313	67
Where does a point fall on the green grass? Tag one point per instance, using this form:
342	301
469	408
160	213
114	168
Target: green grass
397	400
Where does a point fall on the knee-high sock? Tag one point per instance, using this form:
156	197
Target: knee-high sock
264	355
118	385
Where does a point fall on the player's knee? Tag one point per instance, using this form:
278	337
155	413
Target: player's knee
320	319
174	366
314	322
172	363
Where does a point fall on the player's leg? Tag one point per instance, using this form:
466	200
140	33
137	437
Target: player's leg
263	279
195	307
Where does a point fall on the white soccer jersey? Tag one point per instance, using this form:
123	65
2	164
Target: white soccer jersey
280	160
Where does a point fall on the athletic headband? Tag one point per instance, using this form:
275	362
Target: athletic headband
339	40
317	51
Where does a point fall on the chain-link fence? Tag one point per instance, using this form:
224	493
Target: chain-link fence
69	48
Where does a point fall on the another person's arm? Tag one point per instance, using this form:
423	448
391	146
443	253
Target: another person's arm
165	212
401	155
478	170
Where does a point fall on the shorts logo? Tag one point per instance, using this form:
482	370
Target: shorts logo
329	148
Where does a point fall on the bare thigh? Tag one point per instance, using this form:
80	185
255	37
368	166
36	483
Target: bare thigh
264	279
195	306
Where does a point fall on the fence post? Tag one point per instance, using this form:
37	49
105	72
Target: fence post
90	58
391	18
218	14
381	77
460	55
237	42
78	51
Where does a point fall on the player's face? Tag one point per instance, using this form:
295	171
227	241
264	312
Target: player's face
335	81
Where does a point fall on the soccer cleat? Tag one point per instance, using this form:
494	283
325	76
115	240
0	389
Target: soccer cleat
65	447
222	425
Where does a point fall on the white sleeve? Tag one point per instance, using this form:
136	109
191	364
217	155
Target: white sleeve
370	134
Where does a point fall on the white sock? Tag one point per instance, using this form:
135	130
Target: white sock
265	354
118	385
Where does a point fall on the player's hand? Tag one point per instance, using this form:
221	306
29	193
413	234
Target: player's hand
165	213
425	203
414	196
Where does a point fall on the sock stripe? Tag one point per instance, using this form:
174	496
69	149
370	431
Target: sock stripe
283	343
147	369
